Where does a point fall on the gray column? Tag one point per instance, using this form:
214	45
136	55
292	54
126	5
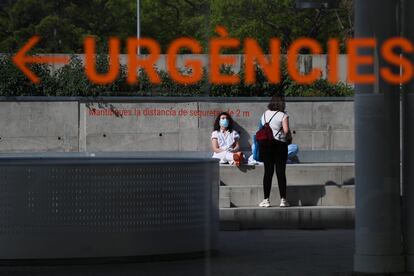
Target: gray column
408	144
377	150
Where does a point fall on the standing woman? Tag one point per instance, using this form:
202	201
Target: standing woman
225	141
274	154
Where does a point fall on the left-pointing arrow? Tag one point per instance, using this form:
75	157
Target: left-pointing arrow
21	60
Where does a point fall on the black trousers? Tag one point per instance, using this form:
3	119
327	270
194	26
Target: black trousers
274	155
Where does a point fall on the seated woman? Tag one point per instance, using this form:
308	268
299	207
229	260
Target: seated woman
225	141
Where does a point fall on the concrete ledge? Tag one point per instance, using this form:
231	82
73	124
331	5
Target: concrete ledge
306	195
167	99
297	174
287	218
327	156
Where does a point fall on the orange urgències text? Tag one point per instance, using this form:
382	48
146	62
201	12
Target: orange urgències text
398	71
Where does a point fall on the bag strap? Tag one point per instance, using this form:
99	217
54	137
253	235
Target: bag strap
264	117
281	127
279	131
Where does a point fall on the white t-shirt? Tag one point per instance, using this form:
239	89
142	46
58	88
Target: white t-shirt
275	123
225	139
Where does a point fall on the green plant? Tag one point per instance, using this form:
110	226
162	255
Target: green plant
14	83
70	80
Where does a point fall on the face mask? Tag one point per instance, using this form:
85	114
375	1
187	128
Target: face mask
224	122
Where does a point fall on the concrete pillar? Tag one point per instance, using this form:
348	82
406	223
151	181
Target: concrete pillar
408	144
378	231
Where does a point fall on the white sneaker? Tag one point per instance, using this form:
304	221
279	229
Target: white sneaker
265	203
284	203
223	161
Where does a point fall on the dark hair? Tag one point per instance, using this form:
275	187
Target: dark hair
217	122
277	103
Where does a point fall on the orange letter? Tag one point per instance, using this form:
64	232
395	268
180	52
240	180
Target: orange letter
216	61
405	65
147	63
195	65
270	69
293	51
354	60
333	51
90	60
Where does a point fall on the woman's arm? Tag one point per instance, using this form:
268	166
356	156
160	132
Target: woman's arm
236	146
215	146
285	124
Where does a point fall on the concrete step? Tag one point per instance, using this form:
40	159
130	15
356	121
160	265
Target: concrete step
298	195
317	217
326	156
297	174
